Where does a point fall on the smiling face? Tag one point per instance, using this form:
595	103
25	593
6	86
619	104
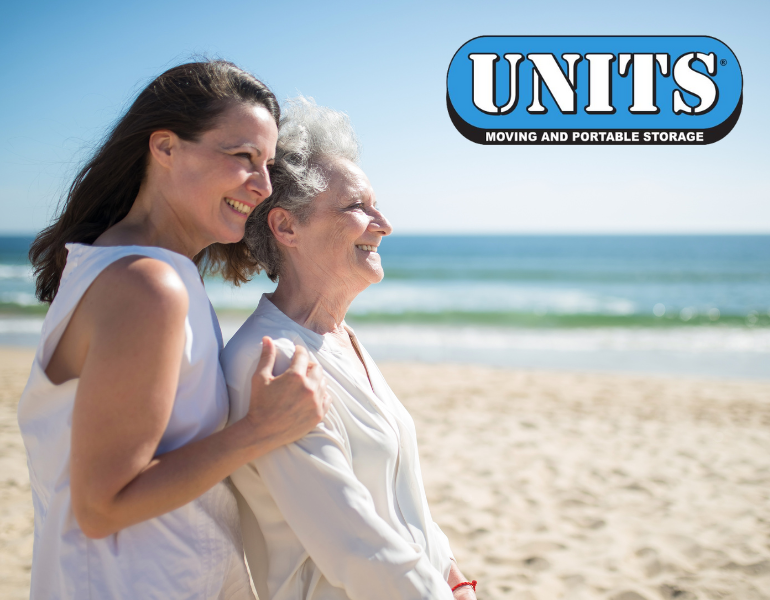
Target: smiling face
344	229
217	180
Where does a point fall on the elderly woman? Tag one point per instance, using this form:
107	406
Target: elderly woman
342	512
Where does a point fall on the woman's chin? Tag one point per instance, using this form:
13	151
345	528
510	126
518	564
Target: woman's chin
363	280
230	235
376	276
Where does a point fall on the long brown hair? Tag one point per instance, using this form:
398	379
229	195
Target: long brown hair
187	100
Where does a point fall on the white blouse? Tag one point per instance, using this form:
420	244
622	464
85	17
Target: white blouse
193	552
342	512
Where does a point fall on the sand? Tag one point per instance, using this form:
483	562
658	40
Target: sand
576	486
549	485
16	516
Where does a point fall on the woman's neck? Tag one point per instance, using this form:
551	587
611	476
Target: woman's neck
148	224
313	302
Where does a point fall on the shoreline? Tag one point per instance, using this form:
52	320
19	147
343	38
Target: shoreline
713	352
550	485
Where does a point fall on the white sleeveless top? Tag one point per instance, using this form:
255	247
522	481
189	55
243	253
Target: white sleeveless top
193	552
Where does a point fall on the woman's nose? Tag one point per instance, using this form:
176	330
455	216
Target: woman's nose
259	184
380	224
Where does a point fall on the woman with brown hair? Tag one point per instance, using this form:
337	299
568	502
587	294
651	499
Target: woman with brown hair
123	415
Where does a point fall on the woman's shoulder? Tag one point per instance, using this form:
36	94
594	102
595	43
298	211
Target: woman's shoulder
133	300
243	350
113	279
145	281
138	265
147	275
85	259
254	328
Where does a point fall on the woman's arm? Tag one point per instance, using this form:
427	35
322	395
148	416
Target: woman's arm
131	324
465	592
334	517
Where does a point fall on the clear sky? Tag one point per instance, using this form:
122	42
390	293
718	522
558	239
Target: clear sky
71	68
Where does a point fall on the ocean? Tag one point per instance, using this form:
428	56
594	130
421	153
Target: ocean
682	305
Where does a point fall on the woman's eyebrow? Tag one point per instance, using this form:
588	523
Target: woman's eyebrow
245	145
361	195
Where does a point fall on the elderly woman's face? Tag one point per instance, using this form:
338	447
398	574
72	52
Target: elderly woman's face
344	230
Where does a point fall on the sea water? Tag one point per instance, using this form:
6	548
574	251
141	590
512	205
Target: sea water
694	304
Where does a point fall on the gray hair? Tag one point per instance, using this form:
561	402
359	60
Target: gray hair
308	136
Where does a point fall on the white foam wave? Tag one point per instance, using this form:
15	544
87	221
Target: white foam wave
246	297
438	296
20	298
23	325
470	296
691	340
23	272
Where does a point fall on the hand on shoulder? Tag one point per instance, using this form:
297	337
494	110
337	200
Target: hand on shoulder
284	408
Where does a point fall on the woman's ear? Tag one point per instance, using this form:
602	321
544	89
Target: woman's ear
162	144
282	224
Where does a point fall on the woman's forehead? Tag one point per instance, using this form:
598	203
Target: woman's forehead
244	124
347	178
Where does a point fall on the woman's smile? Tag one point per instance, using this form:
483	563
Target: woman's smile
240	208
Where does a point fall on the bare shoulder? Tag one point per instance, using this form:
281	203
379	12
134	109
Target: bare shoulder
136	299
138	285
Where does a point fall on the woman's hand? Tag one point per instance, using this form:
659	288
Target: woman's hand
285	408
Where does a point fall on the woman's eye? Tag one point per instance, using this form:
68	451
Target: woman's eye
244	155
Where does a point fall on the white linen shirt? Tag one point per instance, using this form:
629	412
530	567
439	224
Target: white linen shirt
342	512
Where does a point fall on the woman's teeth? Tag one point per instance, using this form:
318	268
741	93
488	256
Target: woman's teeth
368	248
241	208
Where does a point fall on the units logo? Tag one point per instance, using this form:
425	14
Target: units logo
594	90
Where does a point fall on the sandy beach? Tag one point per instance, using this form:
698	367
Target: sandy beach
550	485
16	516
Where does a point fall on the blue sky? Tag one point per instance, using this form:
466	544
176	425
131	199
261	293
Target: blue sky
71	68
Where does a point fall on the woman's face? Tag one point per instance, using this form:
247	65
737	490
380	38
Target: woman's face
220	178
342	234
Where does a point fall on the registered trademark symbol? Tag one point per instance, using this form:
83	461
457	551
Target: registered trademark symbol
723	62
